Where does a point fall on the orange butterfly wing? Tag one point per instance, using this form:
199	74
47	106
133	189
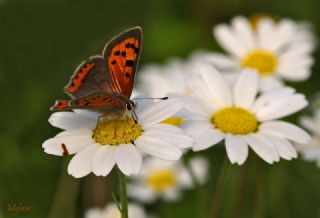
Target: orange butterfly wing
122	55
105	82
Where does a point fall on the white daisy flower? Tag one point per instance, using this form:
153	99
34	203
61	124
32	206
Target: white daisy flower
111	211
168	80
166	179
98	148
161	80
277	50
241	118
311	151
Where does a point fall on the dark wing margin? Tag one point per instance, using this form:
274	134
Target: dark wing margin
89	77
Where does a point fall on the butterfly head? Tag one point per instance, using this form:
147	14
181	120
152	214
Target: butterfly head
131	105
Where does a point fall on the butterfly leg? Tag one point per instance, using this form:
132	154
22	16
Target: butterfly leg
134	116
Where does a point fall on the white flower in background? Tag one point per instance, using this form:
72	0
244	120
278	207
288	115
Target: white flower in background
168	80
98	148
241	117
166	179
277	50
111	211
311	151
161	80
305	38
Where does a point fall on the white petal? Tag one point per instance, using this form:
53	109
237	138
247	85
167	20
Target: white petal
196	107
227	39
74	132
158	148
80	164
244	31
174	137
159	112
262	147
71	120
216	85
86	113
265	32
184	178
285	130
246	88
73	143
200	90
172	194
285	31
291	63
237	149
74	140
217	60
265	98
200	166
135	210
203	134
129	159
104	160
281	107
299	73
270	83
284	148
141	192
142	104
310	124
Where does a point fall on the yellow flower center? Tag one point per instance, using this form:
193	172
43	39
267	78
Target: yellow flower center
263	61
116	131
235	120
174	120
161	180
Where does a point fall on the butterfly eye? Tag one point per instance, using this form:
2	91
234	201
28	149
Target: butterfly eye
129	106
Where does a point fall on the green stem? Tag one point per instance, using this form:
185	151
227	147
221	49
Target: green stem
123	194
219	189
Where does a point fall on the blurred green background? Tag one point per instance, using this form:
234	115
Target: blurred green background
41	43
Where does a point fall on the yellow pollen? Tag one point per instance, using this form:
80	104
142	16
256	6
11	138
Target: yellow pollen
235	120
161	180
263	61
116	131
175	120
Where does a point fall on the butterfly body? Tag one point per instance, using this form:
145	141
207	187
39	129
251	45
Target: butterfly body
104	83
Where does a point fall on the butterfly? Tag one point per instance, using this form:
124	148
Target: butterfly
104	83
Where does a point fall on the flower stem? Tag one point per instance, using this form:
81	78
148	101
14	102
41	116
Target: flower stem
123	194
219	189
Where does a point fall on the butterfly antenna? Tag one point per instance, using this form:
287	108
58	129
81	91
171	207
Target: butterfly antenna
163	98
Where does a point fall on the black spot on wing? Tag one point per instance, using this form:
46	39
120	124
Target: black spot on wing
129	63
